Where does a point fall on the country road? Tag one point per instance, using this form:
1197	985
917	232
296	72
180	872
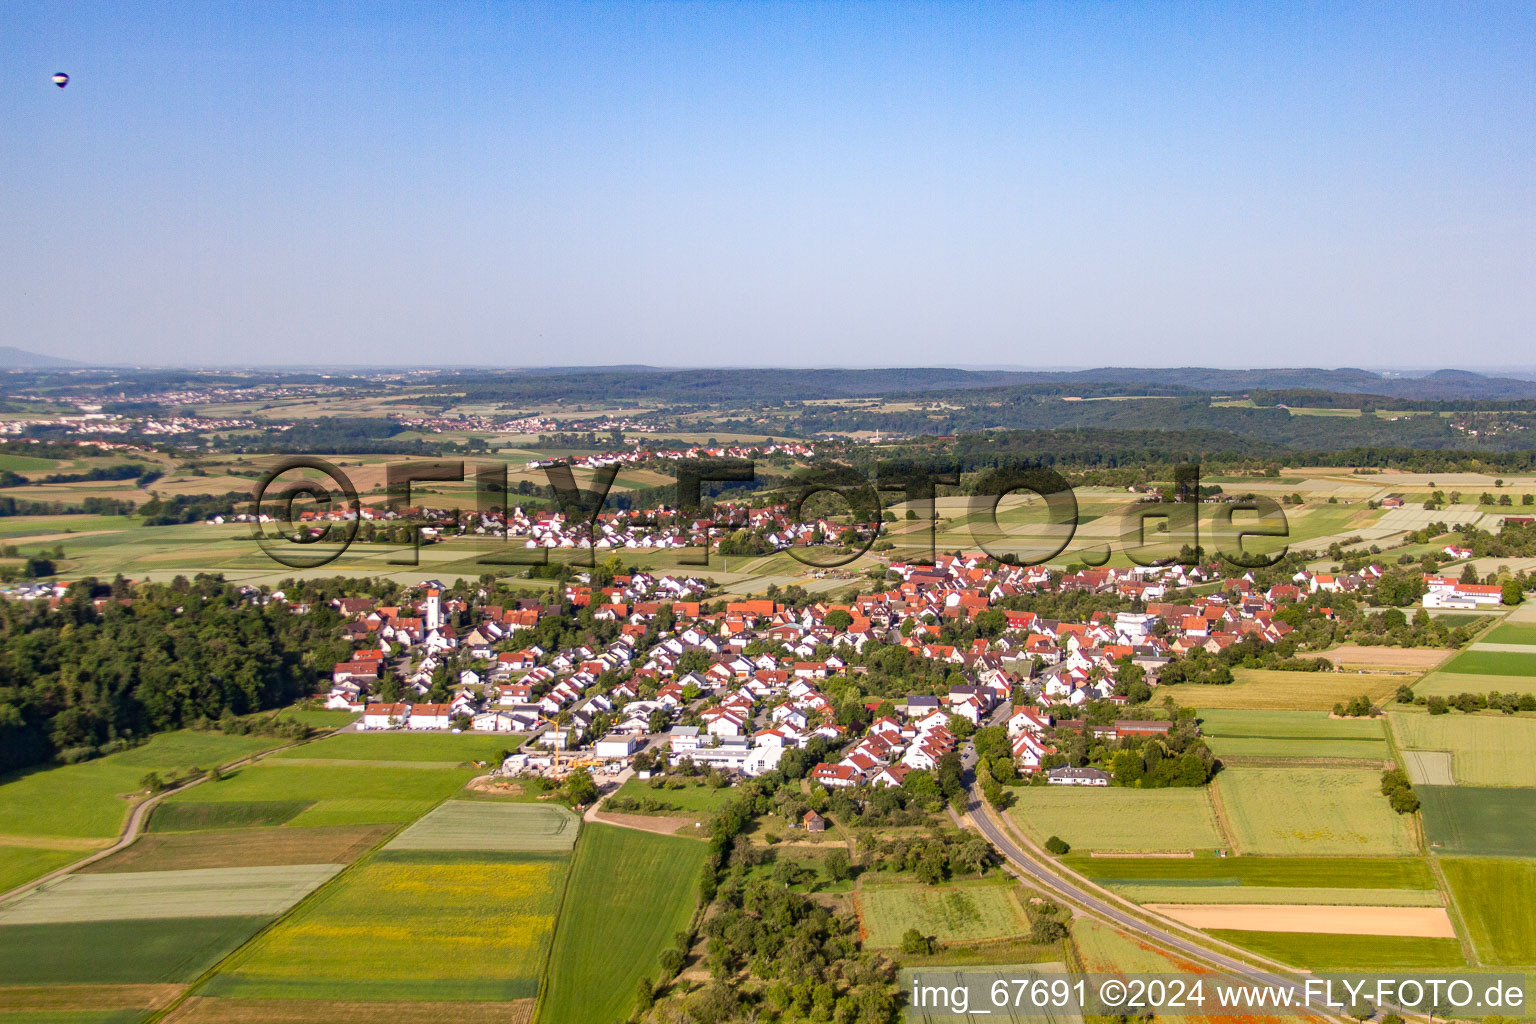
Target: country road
136	820
1058	884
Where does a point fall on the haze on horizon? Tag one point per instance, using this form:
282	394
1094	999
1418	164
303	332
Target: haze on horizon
751	185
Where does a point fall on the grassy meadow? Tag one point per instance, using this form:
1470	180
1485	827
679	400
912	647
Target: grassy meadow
341	794
1118	819
1497	899
957	912
1294	734
630	892
426	747
93	798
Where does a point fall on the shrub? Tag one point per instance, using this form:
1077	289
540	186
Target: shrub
1057	845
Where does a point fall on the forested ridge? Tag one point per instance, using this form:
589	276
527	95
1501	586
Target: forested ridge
77	678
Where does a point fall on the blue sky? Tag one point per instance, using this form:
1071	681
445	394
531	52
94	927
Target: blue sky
780	184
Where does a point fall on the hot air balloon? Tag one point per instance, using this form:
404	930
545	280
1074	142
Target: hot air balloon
61	79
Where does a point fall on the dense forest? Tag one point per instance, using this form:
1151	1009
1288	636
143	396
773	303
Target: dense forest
109	665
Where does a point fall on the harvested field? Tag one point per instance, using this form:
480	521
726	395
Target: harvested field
479	825
1387	659
62	998
256	847
1277	690
953	913
1310	811
1404	922
1428	767
202	1010
206	892
1490	822
1487	749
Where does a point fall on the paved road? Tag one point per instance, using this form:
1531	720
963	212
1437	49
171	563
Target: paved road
1098	907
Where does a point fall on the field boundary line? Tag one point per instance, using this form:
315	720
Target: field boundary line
1136	910
1219	811
1458	920
314	894
554	931
138	817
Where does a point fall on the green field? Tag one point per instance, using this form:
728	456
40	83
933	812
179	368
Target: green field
119	952
1489	822
1257	689
478	825
19	864
191	816
1301	872
1236	734
1289	725
958	912
1497	899
1115	818
1144	893
204	892
1449	684
87	799
385	930
630	892
406	746
1488	749
1234	749
693	798
1348	952
1493	663
26	464
341	794
1510	633
1310	812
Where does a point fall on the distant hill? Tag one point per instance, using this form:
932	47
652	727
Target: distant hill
12	358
